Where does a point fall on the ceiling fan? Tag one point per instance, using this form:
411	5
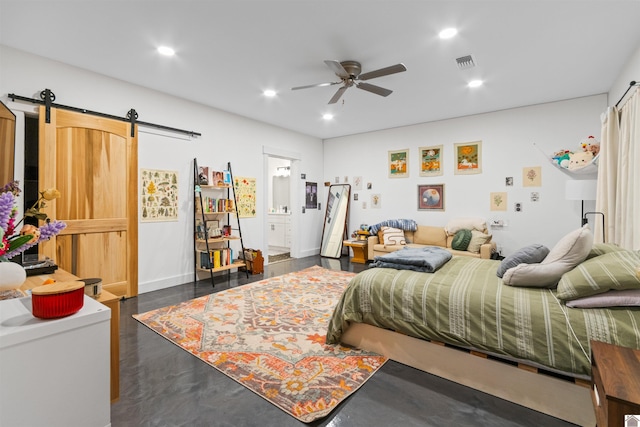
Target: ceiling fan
349	73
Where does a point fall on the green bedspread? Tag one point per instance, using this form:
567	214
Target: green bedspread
465	304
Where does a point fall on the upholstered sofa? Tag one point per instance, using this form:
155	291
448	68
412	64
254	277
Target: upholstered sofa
481	245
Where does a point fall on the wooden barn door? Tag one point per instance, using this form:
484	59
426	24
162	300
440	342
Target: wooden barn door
93	161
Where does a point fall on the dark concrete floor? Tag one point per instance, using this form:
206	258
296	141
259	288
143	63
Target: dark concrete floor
163	385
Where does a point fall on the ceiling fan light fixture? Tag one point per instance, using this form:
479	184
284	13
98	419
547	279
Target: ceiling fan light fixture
447	33
166	51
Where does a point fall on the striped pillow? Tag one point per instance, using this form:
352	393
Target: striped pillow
392	236
612	271
603	248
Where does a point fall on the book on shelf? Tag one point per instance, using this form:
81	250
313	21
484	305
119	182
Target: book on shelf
217	178
203	175
216	258
213	205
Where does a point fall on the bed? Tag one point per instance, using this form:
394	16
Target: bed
520	343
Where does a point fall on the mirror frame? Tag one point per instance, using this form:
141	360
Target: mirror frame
334	230
7	144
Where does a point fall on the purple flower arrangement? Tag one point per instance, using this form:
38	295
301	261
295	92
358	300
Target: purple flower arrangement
12	243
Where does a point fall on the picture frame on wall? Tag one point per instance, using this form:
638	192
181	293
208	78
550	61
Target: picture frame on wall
468	157
532	176
430	197
311	195
498	201
399	163
431	160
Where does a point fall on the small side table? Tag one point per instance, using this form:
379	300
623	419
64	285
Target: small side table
615	375
359	248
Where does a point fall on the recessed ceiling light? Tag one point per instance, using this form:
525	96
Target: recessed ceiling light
475	83
447	33
166	51
327	116
269	93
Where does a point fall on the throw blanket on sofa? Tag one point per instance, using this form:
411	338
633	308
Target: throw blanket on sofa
402	224
426	260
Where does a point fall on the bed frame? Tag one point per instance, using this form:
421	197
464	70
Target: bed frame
524	385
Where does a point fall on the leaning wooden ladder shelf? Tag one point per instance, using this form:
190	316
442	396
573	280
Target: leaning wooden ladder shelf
212	240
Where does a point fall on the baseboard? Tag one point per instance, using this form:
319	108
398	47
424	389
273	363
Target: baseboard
164	283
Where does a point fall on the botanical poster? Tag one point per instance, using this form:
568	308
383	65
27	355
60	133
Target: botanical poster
357	183
498	201
532	176
245	196
158	195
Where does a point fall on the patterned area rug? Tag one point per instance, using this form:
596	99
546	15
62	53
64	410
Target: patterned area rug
269	336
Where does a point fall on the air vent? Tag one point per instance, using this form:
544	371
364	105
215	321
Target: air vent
465	62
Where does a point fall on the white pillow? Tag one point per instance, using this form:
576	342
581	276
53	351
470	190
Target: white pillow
625	298
392	236
570	251
457	224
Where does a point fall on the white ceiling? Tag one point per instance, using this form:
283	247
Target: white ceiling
228	52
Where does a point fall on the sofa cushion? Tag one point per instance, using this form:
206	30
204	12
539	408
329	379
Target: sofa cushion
430	235
570	251
392	236
461	240
531	254
478	239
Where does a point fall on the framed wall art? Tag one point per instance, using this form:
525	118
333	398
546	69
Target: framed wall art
468	157
431	160
311	195
431	197
498	201
532	176
399	164
158	195
245	189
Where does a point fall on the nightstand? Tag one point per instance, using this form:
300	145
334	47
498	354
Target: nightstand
359	248
615	375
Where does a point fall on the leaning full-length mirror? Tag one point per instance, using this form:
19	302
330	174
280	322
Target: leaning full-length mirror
7	143
335	221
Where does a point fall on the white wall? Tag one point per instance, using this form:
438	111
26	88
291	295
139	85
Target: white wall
165	248
508	139
630	72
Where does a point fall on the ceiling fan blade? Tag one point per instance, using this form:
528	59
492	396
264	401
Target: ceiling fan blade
398	68
316	85
337	68
337	95
374	89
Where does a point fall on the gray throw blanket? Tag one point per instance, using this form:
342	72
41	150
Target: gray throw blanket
426	260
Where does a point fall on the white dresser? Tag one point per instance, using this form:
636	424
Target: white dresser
54	372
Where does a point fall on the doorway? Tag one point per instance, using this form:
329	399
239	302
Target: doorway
279	209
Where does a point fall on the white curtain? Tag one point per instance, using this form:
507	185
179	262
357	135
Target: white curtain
618	194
